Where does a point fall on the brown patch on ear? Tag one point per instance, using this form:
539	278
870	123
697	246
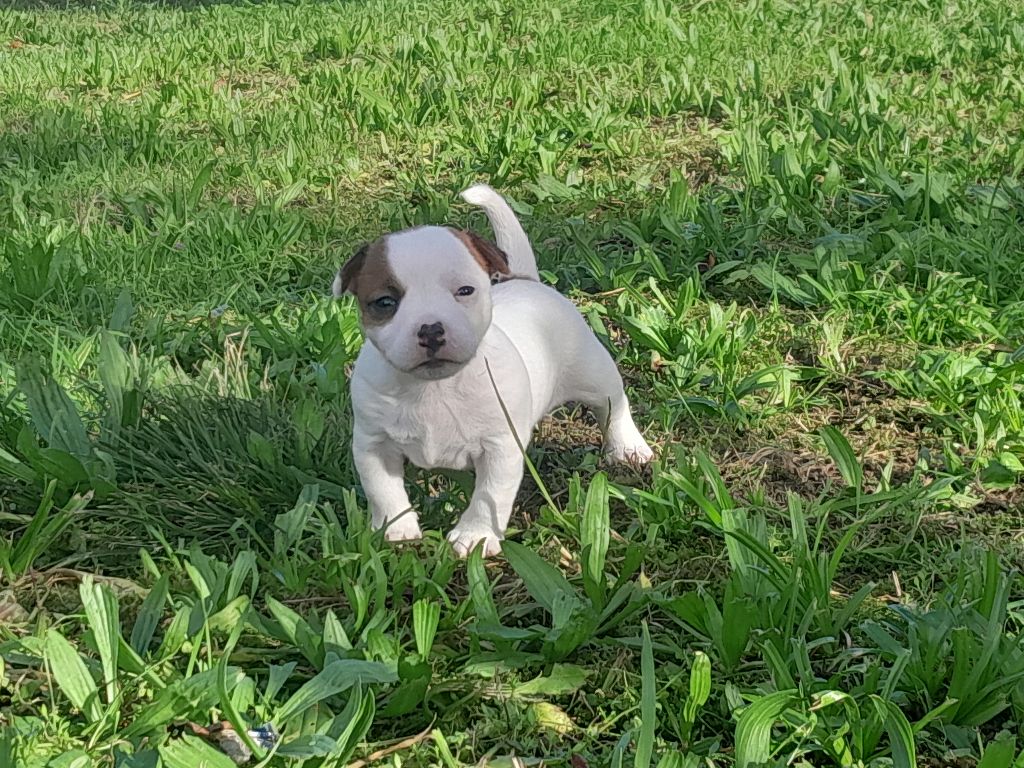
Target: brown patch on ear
490	257
346	277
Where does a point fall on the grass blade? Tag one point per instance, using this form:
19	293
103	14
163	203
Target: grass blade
480	589
595	530
648	703
844	457
149	615
101	610
901	735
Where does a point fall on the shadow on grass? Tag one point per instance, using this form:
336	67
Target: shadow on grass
213	469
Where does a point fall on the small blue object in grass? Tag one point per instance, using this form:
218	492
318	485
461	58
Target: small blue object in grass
265	736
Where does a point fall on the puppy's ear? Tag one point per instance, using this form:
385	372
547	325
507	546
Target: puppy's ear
491	258
346	277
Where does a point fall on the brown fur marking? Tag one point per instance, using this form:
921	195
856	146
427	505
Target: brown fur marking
368	277
490	257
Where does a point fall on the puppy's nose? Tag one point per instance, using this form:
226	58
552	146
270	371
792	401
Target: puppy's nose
431	336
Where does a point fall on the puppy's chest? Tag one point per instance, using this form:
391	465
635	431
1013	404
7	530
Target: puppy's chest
436	432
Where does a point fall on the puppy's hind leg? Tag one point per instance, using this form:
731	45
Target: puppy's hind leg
591	378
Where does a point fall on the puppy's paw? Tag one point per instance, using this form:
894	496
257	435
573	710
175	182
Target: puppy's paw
464	540
404	528
635	452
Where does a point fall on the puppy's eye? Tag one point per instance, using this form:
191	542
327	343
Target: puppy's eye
385	303
466	290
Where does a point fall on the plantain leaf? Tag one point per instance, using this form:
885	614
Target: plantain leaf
543	581
72	675
754	729
335	678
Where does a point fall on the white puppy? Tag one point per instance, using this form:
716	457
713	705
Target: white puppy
459	328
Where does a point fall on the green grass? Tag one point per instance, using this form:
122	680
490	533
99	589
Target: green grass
797	225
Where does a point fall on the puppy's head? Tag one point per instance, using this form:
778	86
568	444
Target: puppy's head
424	296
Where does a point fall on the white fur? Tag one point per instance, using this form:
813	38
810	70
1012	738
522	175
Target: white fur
434	264
508	232
537	347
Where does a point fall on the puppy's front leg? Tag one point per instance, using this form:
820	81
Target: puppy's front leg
380	466
499	471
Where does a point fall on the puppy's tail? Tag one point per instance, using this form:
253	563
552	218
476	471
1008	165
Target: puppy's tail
507	230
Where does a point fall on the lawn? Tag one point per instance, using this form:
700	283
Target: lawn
798	226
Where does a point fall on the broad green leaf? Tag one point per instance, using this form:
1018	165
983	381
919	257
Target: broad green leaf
336	677
191	752
120	318
700	691
72	675
74	758
101	610
115	375
231	615
308	746
1000	752
675	759
175	634
277	676
181	699
352	725
288	619
335	637
563	679
754	729
199	183
543	581
243	566
227	702
54	414
425	617
42	530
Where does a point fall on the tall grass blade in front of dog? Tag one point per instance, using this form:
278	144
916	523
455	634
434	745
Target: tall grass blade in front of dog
543	581
522	448
594	535
425	617
480	590
648	702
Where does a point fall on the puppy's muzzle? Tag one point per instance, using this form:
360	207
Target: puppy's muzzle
431	337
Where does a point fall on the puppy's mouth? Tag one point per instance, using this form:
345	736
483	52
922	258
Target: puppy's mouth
437	368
